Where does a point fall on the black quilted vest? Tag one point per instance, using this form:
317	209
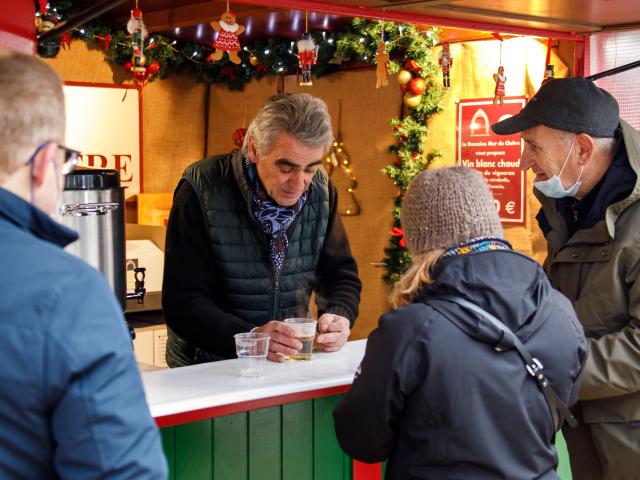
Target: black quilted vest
248	286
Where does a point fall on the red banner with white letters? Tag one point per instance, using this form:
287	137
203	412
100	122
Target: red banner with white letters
497	157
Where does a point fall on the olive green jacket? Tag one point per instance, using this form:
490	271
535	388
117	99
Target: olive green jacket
597	269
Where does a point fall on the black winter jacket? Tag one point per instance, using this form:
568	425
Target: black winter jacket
442	403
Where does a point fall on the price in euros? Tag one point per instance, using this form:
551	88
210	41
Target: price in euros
510	207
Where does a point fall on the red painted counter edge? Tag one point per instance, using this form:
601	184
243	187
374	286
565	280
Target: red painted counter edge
221	410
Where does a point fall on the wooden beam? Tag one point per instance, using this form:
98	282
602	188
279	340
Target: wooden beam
190	15
321	6
414	3
519	16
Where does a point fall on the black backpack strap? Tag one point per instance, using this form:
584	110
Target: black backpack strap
508	340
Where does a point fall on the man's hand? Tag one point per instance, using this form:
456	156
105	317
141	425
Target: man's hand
334	332
282	340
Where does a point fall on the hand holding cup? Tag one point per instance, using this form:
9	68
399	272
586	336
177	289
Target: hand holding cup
283	342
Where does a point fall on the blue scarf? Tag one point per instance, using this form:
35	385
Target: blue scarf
480	244
272	218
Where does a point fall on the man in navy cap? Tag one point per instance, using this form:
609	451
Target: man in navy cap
586	160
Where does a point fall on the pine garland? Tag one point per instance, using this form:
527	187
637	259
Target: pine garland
410	49
270	56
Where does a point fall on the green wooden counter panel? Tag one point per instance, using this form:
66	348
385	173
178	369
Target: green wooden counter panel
295	441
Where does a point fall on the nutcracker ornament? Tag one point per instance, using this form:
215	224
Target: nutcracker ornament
500	78
307	57
45	21
446	62
138	33
227	40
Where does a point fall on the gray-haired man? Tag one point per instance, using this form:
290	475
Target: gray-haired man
253	234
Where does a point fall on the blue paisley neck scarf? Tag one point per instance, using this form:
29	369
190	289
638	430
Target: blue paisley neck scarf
480	244
272	218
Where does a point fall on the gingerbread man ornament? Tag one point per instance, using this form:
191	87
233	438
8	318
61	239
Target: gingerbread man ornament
227	41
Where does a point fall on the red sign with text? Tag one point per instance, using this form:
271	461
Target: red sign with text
497	157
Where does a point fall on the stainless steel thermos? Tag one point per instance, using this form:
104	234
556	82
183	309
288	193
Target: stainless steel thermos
93	206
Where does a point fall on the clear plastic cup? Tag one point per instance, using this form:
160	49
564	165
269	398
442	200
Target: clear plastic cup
305	332
252	349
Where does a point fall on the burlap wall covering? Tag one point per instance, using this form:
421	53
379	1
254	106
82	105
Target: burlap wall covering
173	112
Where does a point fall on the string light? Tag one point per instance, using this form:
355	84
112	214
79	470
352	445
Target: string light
338	157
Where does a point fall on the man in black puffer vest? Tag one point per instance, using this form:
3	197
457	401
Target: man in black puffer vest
252	234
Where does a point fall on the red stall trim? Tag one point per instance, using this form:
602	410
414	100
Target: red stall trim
222	410
367	471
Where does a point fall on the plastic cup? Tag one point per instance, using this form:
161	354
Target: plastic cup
305	332
252	349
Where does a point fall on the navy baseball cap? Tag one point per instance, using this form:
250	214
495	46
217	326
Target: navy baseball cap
570	104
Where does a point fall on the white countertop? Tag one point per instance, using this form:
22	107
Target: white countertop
179	390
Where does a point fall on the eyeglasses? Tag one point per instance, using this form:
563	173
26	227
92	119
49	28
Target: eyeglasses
70	157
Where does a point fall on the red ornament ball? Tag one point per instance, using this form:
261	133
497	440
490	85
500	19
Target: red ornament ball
154	68
238	136
412	66
418	86
140	76
128	66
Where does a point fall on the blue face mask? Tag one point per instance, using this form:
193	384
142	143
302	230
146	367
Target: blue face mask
553	188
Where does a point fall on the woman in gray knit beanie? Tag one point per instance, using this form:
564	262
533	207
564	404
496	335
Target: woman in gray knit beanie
440	392
442	208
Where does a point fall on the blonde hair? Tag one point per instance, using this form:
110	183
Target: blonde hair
418	275
31	109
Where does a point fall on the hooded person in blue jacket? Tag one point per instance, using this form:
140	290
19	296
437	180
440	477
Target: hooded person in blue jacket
441	391
71	401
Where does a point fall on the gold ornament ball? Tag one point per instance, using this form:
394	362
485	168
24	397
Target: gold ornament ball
404	77
139	61
411	100
253	59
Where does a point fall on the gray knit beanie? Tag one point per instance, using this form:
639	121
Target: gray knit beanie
447	206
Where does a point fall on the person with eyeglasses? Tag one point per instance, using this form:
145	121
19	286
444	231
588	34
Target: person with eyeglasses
71	403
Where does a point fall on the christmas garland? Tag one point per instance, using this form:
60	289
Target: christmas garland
165	56
410	58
